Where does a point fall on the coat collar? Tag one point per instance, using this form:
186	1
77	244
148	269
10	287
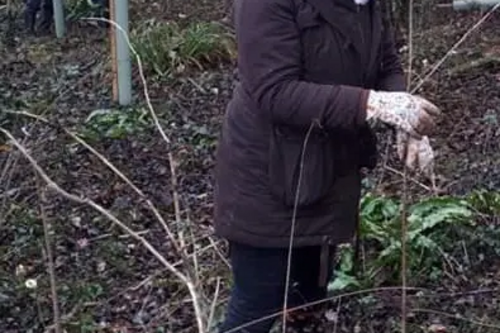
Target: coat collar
339	14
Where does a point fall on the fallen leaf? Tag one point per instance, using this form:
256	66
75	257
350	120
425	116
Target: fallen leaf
437	328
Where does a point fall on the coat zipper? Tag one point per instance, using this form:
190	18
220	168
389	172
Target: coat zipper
362	36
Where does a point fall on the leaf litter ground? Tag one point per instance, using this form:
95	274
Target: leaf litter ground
106	279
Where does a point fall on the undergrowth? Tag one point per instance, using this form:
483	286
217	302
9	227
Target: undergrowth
166	48
440	229
102	276
115	123
439	232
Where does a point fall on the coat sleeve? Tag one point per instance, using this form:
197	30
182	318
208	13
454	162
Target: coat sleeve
269	65
391	76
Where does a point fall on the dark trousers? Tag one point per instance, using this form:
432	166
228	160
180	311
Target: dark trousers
32	7
30	13
259	276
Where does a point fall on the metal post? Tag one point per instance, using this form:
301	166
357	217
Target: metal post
112	34
123	66
59	22
470	4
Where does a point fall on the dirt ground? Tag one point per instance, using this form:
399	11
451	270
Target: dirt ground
106	278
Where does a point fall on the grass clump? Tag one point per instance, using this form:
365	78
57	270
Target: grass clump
167	49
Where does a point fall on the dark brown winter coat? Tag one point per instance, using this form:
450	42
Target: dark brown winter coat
304	67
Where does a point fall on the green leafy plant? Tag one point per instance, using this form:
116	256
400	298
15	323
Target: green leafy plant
77	9
344	277
115	123
430	223
166	49
485	202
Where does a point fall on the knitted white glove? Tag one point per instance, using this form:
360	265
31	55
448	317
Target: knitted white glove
407	112
415	153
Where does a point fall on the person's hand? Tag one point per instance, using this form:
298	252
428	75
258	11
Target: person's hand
407	112
415	153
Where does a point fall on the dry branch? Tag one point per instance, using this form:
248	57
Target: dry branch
404	199
50	258
189	278
88	202
454	47
172	161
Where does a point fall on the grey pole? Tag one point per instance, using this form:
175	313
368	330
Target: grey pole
59	22
470	4
123	67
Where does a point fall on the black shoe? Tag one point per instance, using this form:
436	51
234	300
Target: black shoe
29	21
47	17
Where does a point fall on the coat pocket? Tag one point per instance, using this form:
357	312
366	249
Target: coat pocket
291	158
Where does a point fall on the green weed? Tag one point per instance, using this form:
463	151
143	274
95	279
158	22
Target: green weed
167	49
78	9
115	123
433	226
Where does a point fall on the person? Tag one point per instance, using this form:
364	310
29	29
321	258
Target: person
313	76
32	7
46	7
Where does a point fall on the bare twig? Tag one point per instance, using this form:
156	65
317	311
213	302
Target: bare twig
182	250
404	230
397	172
292	227
219	253
454	47
404	199
322	301
64	318
456	316
212	245
172	161
110	165
377	290
214	304
86	201
143	196
50	258
10	165
5	179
